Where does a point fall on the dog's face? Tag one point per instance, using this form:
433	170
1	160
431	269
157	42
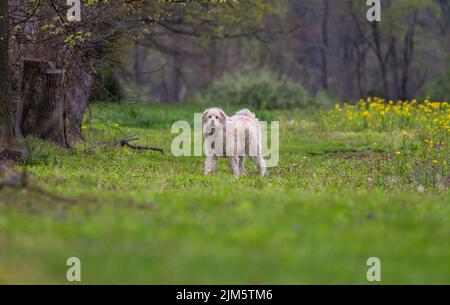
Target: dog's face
213	118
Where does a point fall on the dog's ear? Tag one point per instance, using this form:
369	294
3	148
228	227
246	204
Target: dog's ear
205	114
223	116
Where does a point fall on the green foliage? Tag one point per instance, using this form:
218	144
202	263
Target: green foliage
257	88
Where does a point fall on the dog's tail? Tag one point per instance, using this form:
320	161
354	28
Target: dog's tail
247	113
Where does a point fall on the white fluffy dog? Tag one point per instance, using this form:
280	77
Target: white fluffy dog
233	137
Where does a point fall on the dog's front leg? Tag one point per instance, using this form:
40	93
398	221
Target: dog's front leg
242	165
210	164
234	164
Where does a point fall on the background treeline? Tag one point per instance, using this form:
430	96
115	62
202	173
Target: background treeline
290	53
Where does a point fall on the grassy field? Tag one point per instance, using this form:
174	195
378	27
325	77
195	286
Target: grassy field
337	197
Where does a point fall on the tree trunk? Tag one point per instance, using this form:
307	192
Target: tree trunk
324	47
408	53
8	142
78	89
360	68
42	102
395	69
177	74
6	110
381	59
53	102
139	62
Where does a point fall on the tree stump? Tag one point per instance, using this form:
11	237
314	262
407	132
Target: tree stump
42	103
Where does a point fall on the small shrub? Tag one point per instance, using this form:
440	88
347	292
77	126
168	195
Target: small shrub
259	89
324	99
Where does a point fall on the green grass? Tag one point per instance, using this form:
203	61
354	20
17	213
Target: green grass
335	200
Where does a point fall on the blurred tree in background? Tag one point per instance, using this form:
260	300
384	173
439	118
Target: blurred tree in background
6	107
323	45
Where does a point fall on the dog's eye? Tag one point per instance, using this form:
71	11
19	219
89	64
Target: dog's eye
210	116
217	117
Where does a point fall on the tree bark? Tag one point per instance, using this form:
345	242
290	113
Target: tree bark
408	53
361	54
177	74
324	47
53	102
395	69
78	89
42	102
381	59
6	102
139	62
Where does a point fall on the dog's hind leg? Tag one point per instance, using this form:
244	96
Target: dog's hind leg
234	164
242	165
259	160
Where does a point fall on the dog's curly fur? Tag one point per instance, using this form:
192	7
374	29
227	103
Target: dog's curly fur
233	137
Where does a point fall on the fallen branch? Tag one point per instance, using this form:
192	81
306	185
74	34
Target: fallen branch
126	142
